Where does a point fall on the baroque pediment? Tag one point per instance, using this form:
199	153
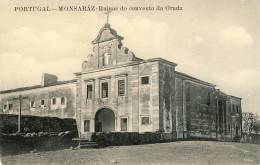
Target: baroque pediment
108	51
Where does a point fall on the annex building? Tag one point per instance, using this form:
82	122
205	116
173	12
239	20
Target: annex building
117	91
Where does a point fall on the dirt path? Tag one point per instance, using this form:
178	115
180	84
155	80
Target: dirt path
196	153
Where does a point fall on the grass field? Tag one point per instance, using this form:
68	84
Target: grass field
185	152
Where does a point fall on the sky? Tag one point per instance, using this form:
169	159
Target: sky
216	41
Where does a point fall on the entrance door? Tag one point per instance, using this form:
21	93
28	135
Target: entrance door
105	120
98	127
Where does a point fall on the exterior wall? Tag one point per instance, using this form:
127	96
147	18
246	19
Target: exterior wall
179	108
167	108
149	97
139	100
46	93
201	114
230	125
236	117
222	111
195	109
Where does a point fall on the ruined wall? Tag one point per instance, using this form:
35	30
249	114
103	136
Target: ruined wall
167	98
200	113
236	117
179	108
222	118
195	109
204	112
230	125
47	93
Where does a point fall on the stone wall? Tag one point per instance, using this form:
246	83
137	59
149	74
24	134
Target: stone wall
148	97
67	110
201	114
229	117
120	105
139	100
167	98
195	109
236	115
179	108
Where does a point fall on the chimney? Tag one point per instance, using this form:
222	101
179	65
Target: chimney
49	79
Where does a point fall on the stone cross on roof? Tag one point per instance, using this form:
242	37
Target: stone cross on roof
107	13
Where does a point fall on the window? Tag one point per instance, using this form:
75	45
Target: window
106	59
63	101
86	125
124	124
89	91
104	89
208	99
53	101
32	104
10	106
145	120
42	102
237	109
5	108
145	80
121	87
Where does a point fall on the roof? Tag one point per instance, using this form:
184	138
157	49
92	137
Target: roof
162	60
235	97
36	86
194	79
106	33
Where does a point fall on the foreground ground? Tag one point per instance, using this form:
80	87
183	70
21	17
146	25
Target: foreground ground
186	152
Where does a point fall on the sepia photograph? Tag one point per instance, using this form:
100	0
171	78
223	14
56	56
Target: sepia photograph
130	82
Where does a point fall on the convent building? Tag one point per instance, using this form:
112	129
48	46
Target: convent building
117	91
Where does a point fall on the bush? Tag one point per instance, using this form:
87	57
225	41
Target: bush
130	138
9	124
17	143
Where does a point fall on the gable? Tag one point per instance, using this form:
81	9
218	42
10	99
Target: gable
108	51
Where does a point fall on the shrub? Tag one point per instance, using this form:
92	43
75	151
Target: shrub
130	138
29	124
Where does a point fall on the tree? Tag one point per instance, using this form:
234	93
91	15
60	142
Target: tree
249	120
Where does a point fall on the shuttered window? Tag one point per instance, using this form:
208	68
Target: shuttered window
121	87
104	89
89	91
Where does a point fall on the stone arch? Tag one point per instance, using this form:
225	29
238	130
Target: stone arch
105	120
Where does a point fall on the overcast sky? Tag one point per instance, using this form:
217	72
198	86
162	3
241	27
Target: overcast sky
218	41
